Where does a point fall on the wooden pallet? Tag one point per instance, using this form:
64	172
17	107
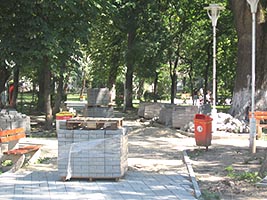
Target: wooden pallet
91	179
87	123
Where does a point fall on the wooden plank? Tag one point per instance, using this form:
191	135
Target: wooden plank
91	179
259	115
11	132
23	150
94	123
12	137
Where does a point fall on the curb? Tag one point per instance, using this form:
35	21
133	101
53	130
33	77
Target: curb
186	160
218	136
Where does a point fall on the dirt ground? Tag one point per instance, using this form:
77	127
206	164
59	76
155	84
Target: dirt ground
225	171
228	170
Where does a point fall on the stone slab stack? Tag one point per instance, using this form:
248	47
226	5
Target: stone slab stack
165	115
76	105
168	114
149	110
97	111
98	96
10	119
99	103
98	153
182	115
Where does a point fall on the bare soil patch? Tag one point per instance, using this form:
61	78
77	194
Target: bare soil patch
228	170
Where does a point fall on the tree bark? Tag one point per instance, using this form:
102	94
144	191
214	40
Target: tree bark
60	91
155	92
140	90
4	74
40	94
242	91
128	87
47	98
173	76
16	87
44	95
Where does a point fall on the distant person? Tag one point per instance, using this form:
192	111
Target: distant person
10	93
208	96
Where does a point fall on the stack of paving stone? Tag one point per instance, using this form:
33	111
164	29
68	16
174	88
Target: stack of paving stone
181	115
10	119
149	110
92	154
99	103
168	114
165	115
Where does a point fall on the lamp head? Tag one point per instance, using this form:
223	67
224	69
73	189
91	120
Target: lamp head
253	5
213	11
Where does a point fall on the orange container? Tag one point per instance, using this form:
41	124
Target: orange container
62	117
203	129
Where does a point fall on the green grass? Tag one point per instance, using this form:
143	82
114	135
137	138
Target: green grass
224	109
207	195
7	163
74	97
251	177
42	160
26	97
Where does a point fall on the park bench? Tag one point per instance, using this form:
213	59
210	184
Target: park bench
260	116
11	149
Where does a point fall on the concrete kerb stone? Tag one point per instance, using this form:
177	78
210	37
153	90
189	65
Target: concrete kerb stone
189	167
218	135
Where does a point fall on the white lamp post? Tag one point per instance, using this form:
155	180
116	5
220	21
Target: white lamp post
213	11
253	6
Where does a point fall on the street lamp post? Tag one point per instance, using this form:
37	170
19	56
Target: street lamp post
253	7
213	11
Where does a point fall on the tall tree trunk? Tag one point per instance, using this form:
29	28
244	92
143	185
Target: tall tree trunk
83	86
16	87
112	77
155	92
47	98
140	90
40	94
128	87
113	70
44	96
173	76
60	90
242	91
4	74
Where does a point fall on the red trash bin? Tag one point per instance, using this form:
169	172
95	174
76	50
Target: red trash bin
203	129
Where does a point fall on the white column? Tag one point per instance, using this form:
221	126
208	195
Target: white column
252	136
214	13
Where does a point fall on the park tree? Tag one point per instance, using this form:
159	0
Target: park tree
241	101
44	35
182	21
130	42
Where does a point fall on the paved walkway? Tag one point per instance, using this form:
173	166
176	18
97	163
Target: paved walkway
135	185
154	173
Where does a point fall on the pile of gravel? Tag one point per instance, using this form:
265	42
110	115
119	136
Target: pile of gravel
225	122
